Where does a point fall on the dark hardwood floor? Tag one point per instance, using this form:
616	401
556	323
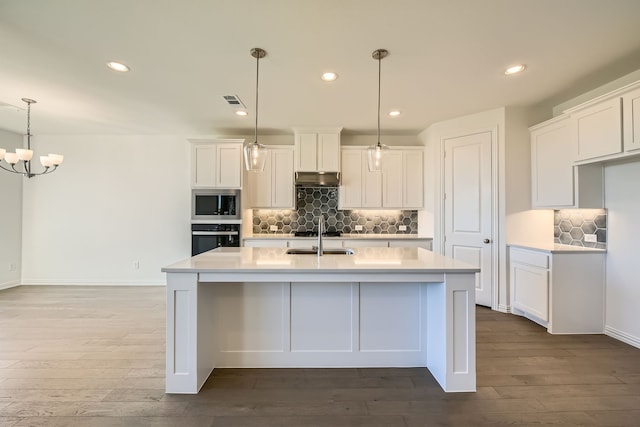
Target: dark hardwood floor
94	356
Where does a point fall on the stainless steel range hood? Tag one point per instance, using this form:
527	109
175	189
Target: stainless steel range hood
317	179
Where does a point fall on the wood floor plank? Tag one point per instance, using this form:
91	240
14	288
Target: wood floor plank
94	356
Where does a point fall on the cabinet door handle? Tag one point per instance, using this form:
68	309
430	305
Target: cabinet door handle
486	241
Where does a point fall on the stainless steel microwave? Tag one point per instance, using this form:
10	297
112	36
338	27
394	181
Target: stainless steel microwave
215	204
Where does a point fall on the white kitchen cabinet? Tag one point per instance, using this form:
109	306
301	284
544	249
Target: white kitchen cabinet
597	129
631	120
562	291
403	179
273	187
359	188
553	153
400	185
216	164
555	182
317	150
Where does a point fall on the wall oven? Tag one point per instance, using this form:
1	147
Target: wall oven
215	204
205	237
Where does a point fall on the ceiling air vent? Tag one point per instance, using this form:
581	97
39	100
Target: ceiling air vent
234	101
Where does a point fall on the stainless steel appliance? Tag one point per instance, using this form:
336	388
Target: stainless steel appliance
205	237
214	205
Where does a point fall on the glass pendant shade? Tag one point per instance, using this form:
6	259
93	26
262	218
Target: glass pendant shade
375	156
255	156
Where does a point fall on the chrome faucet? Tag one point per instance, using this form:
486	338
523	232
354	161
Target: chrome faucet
320	231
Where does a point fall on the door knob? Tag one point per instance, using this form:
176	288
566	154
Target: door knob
486	241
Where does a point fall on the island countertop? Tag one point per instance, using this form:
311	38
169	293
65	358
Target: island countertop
364	260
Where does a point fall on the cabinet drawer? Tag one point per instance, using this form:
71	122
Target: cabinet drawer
534	258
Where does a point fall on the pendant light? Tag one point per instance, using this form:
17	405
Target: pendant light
376	153
255	154
24	155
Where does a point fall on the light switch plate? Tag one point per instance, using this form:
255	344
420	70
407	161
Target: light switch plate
591	238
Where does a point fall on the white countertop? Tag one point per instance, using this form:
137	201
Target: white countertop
282	236
275	260
556	248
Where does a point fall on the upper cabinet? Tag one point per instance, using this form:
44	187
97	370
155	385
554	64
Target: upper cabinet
273	187
556	183
552	155
403	179
216	163
631	120
317	150
400	185
598	129
359	188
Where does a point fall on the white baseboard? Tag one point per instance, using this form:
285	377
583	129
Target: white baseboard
503	308
8	285
89	283
622	336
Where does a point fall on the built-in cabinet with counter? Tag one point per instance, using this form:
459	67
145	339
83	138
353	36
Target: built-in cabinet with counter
216	163
561	288
317	150
400	185
273	188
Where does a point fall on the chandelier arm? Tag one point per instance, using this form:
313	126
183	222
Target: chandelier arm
10	170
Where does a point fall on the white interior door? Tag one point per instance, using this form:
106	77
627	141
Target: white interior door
468	233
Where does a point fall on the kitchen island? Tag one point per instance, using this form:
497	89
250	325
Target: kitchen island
262	307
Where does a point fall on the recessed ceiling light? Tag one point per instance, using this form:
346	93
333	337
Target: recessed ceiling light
241	113
118	66
329	76
515	69
394	113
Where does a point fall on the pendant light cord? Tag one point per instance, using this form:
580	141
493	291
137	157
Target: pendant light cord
257	74
379	72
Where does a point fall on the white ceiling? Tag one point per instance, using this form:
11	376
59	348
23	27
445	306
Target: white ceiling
446	60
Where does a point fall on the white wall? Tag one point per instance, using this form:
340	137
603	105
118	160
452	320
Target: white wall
623	235
115	200
10	217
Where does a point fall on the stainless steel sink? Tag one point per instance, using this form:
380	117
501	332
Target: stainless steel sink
312	251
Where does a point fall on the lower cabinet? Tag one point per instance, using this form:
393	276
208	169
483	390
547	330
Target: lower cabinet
562	291
338	243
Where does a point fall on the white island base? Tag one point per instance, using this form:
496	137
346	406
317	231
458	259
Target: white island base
243	309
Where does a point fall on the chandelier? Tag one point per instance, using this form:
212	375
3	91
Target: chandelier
375	153
24	155
255	154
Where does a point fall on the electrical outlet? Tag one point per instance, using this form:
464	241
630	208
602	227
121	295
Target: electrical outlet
13	266
591	238
136	265
358	228
273	228
402	228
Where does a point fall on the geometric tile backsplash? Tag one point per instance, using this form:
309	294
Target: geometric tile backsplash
571	225
313	201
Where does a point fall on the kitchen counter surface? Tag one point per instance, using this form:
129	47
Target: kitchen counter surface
365	260
282	236
555	248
